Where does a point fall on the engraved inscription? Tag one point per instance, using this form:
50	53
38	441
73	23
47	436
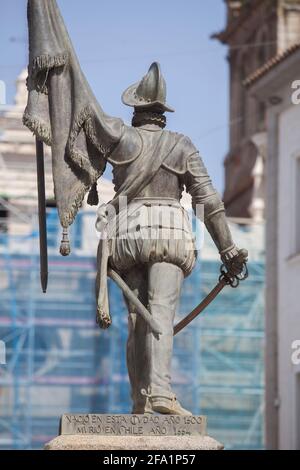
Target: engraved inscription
133	425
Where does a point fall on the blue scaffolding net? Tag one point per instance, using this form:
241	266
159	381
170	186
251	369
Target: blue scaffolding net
58	360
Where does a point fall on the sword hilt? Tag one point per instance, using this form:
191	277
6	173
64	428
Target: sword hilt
233	280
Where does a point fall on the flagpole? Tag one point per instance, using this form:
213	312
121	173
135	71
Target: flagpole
42	214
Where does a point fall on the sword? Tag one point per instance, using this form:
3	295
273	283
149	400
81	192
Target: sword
42	214
225	279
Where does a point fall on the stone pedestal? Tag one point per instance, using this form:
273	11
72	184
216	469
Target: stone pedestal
133	443
133	432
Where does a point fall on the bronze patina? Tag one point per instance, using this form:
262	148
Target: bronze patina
151	256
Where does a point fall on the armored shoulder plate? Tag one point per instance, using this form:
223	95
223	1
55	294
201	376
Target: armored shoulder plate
185	158
195	165
128	149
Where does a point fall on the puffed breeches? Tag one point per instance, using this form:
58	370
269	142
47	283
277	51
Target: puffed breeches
154	232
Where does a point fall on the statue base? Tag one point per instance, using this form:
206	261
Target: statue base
112	443
132	432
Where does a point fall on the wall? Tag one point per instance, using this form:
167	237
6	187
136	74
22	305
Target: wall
288	272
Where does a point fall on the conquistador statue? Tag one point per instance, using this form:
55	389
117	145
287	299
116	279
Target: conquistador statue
151	168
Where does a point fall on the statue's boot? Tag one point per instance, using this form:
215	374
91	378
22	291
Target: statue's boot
169	406
142	407
165	404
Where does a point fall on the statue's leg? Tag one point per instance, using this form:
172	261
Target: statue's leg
164	287
138	360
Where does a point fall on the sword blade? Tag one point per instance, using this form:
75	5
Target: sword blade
199	309
42	214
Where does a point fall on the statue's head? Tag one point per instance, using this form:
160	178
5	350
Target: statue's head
148	97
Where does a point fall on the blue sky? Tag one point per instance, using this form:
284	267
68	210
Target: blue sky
117	40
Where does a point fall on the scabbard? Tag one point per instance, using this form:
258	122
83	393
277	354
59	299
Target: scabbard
42	214
133	298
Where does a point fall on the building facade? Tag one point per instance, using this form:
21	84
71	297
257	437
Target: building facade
277	84
256	31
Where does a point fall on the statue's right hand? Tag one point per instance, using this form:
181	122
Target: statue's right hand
235	260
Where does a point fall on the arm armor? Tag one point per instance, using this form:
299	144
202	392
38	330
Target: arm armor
208	205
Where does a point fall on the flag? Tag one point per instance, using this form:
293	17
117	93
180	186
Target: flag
63	112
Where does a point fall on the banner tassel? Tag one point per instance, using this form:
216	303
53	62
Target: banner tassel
93	198
65	248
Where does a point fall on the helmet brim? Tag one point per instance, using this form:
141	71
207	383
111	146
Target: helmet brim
130	98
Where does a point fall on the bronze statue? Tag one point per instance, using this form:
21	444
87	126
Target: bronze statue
151	167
